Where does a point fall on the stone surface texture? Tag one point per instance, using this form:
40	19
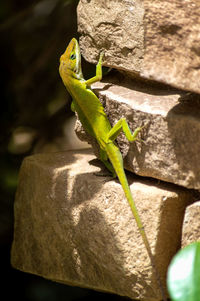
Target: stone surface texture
191	224
156	39
114	21
75	227
172	42
170	151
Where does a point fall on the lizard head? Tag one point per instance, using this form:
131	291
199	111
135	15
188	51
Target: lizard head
70	60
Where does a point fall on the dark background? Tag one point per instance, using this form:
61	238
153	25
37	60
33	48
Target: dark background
34	107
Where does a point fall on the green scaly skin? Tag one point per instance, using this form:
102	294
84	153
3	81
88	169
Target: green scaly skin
95	122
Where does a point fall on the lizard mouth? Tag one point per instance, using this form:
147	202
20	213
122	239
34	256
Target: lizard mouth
78	56
66	62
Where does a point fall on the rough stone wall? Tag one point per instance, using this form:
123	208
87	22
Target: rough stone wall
74	227
156	40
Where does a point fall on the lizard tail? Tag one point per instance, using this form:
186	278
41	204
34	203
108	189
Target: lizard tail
115	157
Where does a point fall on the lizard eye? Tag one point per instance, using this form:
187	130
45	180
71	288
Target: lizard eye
73	56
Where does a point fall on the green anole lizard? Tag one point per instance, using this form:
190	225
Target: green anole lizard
94	120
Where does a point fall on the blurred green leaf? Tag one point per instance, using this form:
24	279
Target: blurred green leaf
184	274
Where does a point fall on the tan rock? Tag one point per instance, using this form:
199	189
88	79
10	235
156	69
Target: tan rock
191	224
157	39
172	34
172	135
75	227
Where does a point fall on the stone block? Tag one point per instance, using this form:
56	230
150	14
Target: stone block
191	224
75	227
117	28
172	34
170	151
156	39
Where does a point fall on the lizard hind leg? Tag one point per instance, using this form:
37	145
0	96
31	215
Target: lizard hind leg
122	125
104	159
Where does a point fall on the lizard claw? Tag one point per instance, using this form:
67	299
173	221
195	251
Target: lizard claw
139	129
102	53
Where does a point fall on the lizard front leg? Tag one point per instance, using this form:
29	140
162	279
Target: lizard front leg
98	75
